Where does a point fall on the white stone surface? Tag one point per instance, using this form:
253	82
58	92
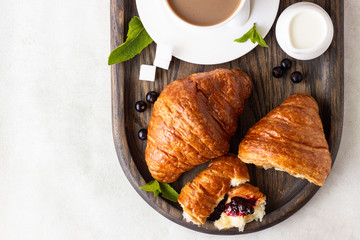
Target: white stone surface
59	174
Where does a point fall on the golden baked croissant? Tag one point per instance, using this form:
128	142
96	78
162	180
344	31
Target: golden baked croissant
199	197
244	204
193	120
290	138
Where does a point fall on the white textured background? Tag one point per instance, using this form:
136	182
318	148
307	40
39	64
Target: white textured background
59	174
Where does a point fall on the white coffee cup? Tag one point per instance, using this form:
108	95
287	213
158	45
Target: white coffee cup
238	18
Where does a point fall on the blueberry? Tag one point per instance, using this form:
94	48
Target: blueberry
142	134
296	77
277	72
140	106
286	63
151	96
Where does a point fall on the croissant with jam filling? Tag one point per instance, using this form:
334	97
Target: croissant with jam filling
199	197
193	120
244	204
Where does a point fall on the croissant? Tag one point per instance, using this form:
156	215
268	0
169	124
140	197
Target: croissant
290	138
199	197
244	204
193	120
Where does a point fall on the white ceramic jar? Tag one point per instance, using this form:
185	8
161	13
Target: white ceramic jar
304	31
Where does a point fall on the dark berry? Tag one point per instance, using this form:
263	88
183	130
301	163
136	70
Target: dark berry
140	106
142	134
286	63
296	77
151	96
277	72
239	206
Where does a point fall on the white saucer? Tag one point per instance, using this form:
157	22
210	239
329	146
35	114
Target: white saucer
206	46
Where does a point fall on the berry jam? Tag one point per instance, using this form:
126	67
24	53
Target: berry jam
240	207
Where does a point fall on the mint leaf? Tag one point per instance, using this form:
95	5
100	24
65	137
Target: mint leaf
165	189
137	39
246	36
254	37
152	186
168	192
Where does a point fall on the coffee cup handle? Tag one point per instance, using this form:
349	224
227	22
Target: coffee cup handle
241	17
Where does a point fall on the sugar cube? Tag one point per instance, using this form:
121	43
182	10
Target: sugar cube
147	72
163	56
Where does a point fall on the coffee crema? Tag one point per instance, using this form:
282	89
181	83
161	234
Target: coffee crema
204	12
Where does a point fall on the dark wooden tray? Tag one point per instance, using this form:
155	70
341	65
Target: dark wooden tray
323	80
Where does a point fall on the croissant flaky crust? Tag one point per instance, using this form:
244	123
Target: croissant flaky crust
193	120
199	197
290	138
247	191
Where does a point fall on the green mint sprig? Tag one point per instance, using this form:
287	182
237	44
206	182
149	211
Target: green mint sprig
254	37
137	39
158	187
